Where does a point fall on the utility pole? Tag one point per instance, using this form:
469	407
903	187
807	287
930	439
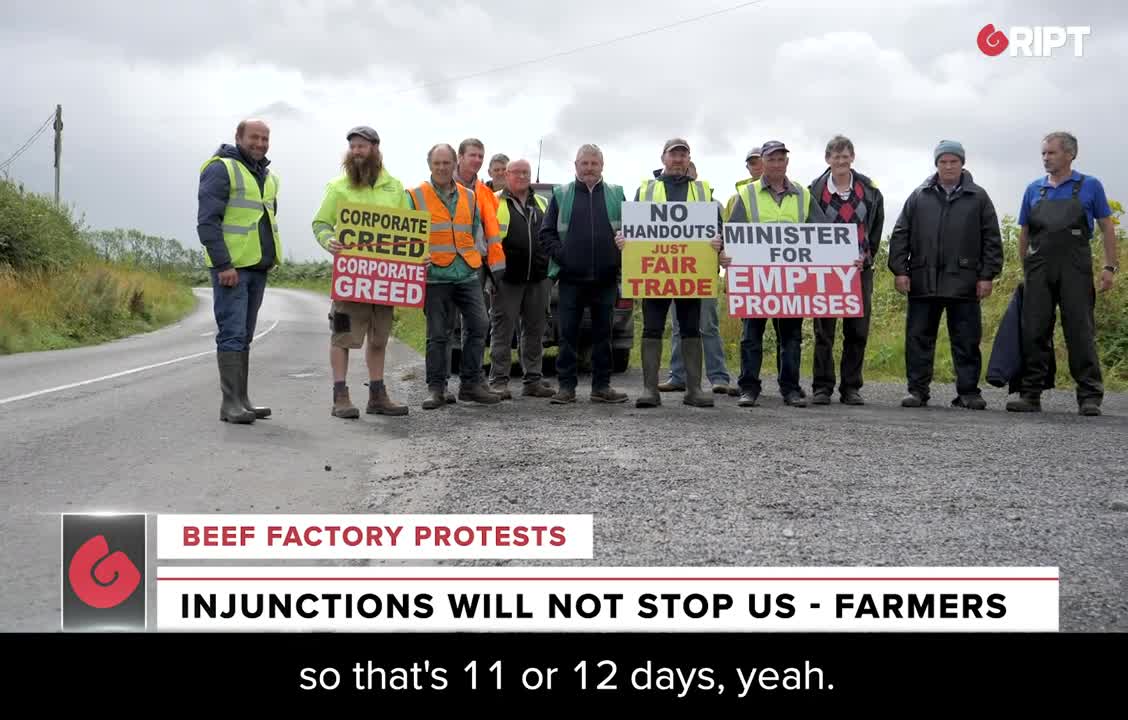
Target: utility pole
58	148
540	148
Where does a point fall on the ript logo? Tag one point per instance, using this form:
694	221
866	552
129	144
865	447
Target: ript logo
103	567
101	579
1032	41
991	41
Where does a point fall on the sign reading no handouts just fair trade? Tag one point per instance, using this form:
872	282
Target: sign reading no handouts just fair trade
668	252
382	263
793	270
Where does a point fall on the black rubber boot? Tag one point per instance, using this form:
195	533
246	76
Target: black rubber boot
230	384
260	412
693	353
651	358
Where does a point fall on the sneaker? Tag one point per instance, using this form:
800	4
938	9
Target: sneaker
852	397
435	400
720	389
669	386
450	398
970	402
608	395
748	399
1090	407
913	400
795	399
563	396
821	397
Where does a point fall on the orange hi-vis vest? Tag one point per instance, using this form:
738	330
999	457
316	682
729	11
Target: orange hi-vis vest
491	230
449	236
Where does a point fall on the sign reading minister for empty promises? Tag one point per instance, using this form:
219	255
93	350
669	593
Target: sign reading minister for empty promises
667	254
793	270
382	262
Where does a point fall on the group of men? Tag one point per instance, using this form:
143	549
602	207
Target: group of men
945	253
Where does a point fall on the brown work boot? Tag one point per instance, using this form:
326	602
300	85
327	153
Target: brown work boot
537	389
342	406
479	393
379	403
608	395
501	390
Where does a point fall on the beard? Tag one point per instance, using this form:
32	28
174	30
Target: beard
363	172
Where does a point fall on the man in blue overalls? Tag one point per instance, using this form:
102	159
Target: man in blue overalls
1056	222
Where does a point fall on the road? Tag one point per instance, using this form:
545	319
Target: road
132	426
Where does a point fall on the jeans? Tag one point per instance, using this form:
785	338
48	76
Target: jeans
440	304
236	309
573	300
714	347
788	357
965	330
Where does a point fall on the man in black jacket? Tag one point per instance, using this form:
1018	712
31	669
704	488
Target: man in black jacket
945	251
523	289
578	232
847	196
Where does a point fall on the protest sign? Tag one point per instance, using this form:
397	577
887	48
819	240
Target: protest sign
793	270
667	254
382	263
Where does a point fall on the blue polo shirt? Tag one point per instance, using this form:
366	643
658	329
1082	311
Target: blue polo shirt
1092	197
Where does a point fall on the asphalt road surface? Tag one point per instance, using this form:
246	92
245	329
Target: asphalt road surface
133	426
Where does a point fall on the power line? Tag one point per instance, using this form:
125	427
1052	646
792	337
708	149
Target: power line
573	51
30	141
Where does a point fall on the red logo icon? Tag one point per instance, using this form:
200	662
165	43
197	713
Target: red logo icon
991	41
100	579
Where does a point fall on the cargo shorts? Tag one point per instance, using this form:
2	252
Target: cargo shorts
352	322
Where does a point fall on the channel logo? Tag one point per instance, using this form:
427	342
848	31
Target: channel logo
1032	41
103	568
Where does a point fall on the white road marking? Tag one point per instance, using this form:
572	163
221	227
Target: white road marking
131	371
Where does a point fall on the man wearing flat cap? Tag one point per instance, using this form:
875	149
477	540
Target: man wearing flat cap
945	252
774	198
364	181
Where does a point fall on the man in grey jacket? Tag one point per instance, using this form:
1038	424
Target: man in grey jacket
946	250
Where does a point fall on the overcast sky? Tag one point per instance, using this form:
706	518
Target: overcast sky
149	90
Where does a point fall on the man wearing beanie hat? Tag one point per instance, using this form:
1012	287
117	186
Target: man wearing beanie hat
945	251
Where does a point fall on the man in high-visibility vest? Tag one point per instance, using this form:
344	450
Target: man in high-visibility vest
236	223
713	346
358	324
773	199
673	185
452	280
523	290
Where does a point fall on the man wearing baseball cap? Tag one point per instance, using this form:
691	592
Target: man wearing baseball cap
673	185
773	198
754	162
945	251
365	181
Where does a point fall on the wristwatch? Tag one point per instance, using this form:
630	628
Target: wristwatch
1112	268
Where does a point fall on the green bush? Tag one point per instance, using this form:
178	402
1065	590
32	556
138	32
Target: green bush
34	234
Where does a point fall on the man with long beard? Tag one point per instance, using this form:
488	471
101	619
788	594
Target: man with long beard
364	181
